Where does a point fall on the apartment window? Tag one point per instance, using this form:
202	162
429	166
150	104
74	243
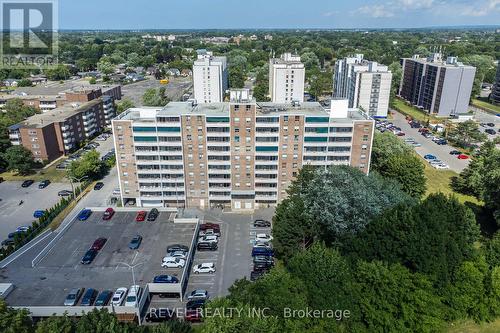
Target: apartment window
122	146
125	174
236	139
248	120
117	127
285	118
236	130
236	120
365	137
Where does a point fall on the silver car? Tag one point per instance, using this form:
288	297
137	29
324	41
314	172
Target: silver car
73	297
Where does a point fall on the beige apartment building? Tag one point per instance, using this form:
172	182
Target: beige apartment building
240	154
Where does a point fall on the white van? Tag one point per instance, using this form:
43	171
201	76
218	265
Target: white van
133	296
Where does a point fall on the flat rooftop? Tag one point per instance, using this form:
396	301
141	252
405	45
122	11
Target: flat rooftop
60	89
222	110
59	114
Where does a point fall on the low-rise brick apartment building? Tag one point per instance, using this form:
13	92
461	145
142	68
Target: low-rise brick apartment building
239	154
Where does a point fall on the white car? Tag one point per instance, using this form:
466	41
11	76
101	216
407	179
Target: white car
263	238
133	296
172	262
177	254
119	296
435	162
440	166
208	267
209	232
209	239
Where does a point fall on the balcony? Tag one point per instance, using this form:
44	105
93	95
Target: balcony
14	136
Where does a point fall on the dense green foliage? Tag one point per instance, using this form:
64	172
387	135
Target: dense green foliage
482	178
466	134
393	159
19	159
328	204
97	321
155	97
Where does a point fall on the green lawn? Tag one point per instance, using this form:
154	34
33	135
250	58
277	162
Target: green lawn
50	173
495	109
439	181
471	327
413	112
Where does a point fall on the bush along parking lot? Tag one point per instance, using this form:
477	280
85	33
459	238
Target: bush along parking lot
22	236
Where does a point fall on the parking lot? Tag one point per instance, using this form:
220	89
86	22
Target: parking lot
174	89
14	215
50	281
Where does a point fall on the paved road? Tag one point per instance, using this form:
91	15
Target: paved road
429	147
174	90
485	117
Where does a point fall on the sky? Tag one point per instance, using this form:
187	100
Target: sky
300	14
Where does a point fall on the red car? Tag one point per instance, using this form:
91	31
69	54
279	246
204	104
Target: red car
193	316
141	216
108	214
99	243
401	134
462	157
206	226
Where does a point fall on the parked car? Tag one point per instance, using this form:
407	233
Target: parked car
430	157
440	166
442	142
73	296
103	298
89	297
43	184
490	124
64	193
432	162
265	251
490	131
209	239
159	315
208	267
135	242
99	243
254	275
141	216
177	247
209	232
23	228
153	214
108	214
205	246
198	294
172	262
259	266
133	296
401	134
89	257
84	214
177	254
38	213
27	183
261	224
165	279
462	157
116	191
195	304
263	238
119	296
8	241
213	226
98	186
454	152
263	259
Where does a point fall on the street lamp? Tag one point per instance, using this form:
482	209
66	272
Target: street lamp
131	267
76	180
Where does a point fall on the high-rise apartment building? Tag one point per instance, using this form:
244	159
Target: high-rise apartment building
442	88
57	132
210	77
238	154
495	93
366	84
286	79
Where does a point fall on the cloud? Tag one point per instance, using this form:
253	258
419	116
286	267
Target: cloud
376	11
415	4
331	13
481	9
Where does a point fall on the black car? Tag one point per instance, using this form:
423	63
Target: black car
455	152
261	266
64	193
490	124
44	184
261	224
206	246
89	297
89	256
8	241
177	247
159	315
153	214
195	304
490	131
27	183
254	275
103	298
263	259
98	186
